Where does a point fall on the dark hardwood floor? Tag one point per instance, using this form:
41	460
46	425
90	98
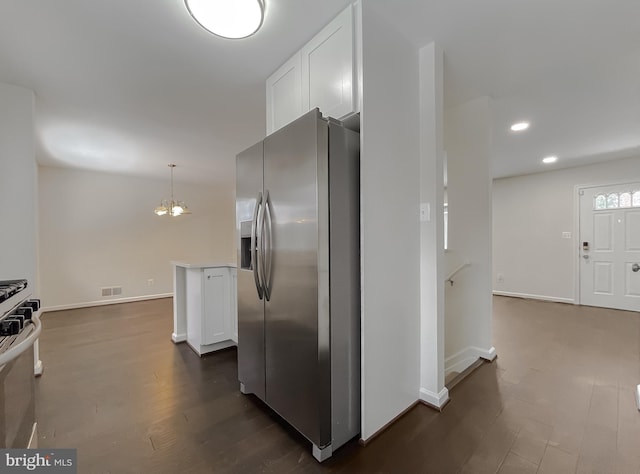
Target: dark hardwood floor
559	399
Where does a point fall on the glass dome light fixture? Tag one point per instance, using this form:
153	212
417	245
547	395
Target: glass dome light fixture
232	19
171	207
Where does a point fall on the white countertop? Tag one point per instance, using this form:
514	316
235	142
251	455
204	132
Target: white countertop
203	264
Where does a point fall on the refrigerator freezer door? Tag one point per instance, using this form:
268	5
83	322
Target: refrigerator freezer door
251	369
297	313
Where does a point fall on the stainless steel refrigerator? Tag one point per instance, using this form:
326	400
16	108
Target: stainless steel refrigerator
297	217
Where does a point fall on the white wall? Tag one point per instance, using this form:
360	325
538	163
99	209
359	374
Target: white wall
468	304
432	389
530	213
18	189
99	230
390	247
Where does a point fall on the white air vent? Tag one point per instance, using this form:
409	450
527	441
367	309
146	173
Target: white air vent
107	291
116	290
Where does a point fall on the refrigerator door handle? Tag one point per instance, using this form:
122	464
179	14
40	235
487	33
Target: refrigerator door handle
268	249
255	242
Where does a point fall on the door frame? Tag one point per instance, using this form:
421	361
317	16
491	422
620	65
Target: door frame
576	230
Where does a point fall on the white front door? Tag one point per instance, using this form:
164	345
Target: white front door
610	246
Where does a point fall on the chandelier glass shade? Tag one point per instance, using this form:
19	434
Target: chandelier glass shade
171	207
232	19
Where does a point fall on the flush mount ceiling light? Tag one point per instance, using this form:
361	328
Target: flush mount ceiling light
234	19
520	126
171	207
550	159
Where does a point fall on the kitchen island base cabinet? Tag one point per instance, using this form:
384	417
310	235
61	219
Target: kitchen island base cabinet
205	307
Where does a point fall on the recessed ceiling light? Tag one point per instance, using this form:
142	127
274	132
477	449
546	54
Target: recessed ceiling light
550	159
520	126
232	19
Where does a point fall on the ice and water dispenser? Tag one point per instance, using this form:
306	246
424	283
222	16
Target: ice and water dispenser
245	245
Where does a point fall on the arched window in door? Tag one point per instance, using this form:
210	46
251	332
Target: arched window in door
625	199
622	200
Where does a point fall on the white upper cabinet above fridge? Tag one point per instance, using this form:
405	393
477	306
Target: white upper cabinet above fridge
327	68
284	96
322	74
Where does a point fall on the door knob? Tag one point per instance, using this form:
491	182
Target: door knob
635	267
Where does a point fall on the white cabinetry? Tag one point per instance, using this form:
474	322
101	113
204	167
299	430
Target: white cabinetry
215	325
322	74
234	305
205	312
284	96
328	80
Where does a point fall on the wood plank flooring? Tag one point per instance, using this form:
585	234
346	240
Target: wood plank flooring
559	399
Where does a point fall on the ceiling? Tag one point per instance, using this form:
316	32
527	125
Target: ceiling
130	86
570	67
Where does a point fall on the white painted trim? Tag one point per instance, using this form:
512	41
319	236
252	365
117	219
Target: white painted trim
535	297
33	439
576	239
488	355
602	185
462	360
203	264
638	396
357	62
201	349
107	302
436	400
177	338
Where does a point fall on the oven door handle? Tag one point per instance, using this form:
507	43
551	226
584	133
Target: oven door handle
18	349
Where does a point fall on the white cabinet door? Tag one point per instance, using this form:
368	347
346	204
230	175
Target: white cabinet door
216	324
284	97
234	305
328	73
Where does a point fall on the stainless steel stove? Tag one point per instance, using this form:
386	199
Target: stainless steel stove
19	361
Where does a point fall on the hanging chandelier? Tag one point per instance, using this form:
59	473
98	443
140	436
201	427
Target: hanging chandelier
171	207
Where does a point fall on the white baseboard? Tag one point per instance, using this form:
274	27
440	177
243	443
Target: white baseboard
33	440
638	396
89	304
554	299
488	355
205	349
435	400
462	360
177	338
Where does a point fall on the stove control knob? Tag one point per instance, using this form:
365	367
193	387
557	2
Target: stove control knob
17	317
9	327
26	311
34	304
